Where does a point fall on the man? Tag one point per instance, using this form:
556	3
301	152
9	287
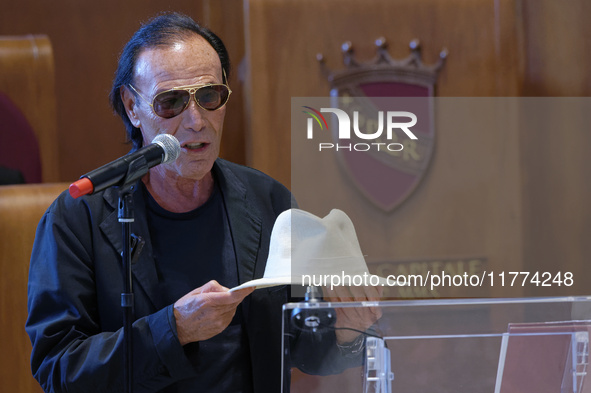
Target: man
203	222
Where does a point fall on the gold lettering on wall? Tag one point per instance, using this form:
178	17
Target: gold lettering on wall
437	278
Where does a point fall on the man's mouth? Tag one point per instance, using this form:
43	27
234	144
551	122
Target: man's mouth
194	146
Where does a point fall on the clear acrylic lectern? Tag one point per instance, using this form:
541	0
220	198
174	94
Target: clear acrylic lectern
531	345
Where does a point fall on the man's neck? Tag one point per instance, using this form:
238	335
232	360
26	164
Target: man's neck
179	195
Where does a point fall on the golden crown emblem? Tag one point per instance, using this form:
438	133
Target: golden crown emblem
383	67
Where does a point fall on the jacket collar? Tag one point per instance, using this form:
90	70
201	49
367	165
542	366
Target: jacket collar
245	229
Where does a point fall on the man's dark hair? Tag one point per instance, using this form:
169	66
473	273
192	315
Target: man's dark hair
163	30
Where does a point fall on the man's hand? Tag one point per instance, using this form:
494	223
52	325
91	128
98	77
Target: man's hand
206	311
358	318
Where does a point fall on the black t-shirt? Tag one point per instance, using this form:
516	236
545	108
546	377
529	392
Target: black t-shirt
191	249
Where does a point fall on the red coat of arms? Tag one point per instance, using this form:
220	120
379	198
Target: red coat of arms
385	93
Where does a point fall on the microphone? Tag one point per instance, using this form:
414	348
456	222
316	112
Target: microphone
164	148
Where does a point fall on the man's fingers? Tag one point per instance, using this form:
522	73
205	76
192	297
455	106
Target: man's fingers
213	286
206	311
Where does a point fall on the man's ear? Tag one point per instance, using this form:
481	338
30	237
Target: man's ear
129	100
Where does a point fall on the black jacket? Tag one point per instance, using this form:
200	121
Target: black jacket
76	281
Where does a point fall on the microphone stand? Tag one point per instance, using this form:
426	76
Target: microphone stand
137	168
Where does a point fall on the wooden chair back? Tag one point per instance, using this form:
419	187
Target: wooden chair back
27	77
21	208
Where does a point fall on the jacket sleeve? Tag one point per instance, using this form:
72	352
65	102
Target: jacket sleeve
71	353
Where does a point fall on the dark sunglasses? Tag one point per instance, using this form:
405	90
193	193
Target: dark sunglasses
173	102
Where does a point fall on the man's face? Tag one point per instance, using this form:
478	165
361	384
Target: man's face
184	63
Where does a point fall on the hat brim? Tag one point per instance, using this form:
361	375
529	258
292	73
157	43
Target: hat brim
267	282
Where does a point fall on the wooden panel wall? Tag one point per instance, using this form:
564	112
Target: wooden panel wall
497	48
284	38
557	166
469	204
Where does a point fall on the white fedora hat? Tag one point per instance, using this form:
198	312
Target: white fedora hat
305	247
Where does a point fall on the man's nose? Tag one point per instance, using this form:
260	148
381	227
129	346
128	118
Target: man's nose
194	116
